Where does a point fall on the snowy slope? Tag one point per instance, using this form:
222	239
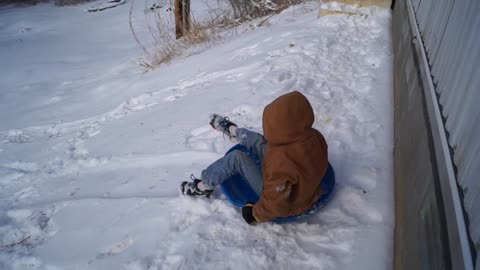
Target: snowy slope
92	150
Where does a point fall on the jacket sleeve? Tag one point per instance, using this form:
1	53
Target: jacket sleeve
275	198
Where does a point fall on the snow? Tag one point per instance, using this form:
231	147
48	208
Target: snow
92	150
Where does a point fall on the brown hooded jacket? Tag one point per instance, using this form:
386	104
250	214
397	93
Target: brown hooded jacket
295	158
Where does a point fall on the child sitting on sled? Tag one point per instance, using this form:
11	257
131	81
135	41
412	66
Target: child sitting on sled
293	155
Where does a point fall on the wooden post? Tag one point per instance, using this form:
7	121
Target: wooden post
186	15
182	17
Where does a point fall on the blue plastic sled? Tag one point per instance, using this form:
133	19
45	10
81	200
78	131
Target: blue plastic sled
238	191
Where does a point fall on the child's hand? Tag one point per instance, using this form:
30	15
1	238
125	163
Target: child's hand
247	213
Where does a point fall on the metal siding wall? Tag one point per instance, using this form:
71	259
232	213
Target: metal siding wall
416	4
439	24
434	27
422	12
420	232
450	31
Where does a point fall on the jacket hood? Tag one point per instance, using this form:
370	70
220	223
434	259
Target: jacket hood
287	119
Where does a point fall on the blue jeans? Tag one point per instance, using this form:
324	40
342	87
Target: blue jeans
238	162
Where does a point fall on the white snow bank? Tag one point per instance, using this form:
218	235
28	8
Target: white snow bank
92	152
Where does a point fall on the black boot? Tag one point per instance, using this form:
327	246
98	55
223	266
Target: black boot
192	189
222	124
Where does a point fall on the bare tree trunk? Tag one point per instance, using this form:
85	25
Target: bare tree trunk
182	17
186	15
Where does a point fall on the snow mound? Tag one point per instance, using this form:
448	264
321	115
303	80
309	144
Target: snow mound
92	152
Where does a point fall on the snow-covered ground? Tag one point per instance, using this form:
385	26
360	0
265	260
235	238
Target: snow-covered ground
92	151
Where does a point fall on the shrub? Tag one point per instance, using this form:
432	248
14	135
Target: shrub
251	9
166	47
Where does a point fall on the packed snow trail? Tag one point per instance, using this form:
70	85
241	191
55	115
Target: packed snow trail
89	170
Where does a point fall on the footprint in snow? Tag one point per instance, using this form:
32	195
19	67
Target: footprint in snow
25	193
174	97
17	136
115	249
